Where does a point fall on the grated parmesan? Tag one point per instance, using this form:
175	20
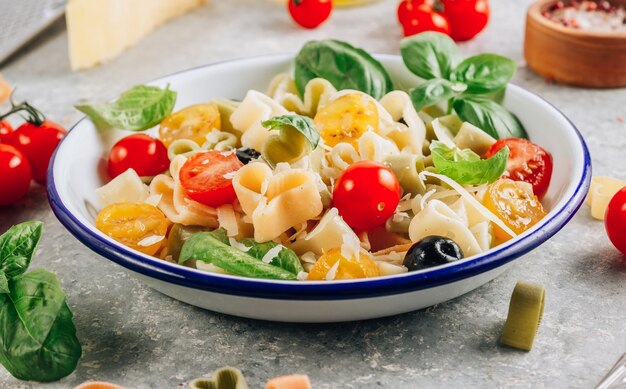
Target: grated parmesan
150	240
238	245
272	253
332	272
229	176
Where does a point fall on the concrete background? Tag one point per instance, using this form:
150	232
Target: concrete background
139	338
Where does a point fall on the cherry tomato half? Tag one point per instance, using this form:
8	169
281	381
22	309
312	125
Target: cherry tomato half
527	162
348	268
37	143
512	203
141	152
416	18
5	129
15	175
309	13
207	177
615	220
366	195
139	226
466	17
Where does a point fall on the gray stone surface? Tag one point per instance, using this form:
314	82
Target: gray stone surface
139	338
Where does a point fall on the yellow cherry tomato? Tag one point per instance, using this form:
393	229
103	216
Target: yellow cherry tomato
193	122
346	119
136	225
348	268
515	204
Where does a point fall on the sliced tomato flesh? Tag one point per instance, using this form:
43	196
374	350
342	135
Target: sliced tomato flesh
527	162
207	177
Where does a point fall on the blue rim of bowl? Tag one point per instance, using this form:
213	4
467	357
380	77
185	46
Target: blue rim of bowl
338	290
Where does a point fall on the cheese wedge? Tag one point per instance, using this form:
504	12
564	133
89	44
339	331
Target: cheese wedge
99	31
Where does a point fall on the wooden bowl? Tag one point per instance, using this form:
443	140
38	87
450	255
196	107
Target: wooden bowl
572	56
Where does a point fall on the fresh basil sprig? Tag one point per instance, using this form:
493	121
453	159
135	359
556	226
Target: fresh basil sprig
484	73
433	91
489	116
430	55
138	109
435	58
38	339
344	66
465	166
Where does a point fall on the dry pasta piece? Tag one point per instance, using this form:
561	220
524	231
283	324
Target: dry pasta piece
294	381
601	191
5	90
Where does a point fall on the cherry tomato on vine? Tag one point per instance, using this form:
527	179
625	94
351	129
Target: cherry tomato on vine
416	18
5	129
15	175
527	162
208	177
309	13
366	195
37	142
467	17
141	152
615	221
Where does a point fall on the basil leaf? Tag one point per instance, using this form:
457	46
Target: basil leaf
17	247
435	91
286	259
4	283
489	116
343	65
485	73
465	166
38	339
203	246
138	109
430	54
303	124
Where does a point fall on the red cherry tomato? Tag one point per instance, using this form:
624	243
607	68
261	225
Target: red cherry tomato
366	195
527	162
406	8
207	177
423	17
309	13
37	143
15	175
467	17
141	152
5	129
615	220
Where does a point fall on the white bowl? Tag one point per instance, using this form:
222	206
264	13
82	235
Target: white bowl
77	170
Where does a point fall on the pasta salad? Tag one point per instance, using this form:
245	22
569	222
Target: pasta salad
329	174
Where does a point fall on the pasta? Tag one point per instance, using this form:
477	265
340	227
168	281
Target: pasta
263	189
601	191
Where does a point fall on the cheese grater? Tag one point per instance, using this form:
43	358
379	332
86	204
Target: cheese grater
22	20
